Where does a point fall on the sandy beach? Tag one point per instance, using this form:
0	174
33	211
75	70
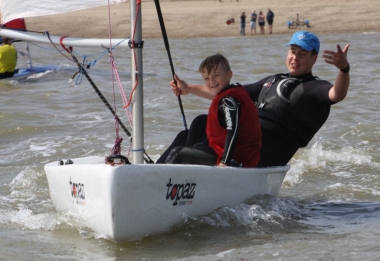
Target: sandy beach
198	19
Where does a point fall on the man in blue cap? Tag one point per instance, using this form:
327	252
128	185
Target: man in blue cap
292	107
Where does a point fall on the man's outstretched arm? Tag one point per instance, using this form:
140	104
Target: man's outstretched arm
339	91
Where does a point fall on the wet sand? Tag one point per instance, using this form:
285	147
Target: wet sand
195	19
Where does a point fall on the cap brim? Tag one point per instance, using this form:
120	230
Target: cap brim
301	44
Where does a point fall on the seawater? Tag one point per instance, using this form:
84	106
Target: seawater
328	207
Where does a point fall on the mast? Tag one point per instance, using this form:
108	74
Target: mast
29	59
137	105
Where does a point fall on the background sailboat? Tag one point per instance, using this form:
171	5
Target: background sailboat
18	25
128	201
13	14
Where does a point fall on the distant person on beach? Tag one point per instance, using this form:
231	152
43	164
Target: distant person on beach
253	21
270	17
242	23
292	106
8	58
261	21
233	132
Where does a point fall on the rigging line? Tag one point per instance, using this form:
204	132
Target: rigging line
115	73
117	146
61	51
82	70
138	5
91	63
146	158
163	30
70	51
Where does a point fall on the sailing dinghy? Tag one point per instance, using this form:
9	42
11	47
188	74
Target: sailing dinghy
128	201
18	25
10	31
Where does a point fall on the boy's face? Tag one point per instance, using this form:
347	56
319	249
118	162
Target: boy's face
217	80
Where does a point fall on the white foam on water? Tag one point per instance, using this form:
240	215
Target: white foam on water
222	254
352	189
27	206
27	219
44	148
39	75
316	157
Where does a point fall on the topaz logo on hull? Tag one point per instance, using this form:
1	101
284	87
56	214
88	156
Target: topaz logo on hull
181	194
77	192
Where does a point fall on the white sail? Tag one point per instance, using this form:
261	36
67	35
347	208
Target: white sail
13	9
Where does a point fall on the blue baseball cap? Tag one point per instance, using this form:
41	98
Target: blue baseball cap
306	40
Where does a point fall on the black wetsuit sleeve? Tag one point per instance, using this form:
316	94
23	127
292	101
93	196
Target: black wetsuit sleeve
321	93
254	89
229	114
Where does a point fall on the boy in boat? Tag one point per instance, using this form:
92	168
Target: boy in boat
8	58
233	132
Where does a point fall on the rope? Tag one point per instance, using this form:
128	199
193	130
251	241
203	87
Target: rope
138	3
146	158
82	70
116	150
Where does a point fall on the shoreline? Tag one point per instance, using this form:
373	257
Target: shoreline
203	19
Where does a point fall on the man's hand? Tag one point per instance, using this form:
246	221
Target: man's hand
339	58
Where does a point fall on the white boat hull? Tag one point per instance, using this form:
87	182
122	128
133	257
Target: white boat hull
128	202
